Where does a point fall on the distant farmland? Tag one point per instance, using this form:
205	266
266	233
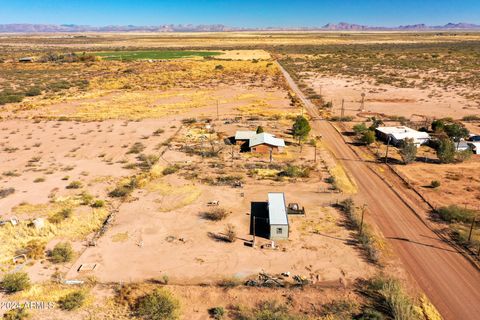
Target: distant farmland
144	55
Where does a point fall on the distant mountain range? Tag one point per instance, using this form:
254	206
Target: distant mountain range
342	26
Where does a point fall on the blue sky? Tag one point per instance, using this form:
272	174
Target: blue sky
240	13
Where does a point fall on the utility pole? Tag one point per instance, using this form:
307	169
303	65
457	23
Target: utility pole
342	114
386	154
253	243
364	208
471	229
315	152
232	151
363	102
271	151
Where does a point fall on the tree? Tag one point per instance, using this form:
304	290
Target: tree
456	131
301	128
14	282
408	151
368	137
438	125
260	129
446	151
375	123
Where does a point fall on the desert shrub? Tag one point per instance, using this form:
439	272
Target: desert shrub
435	184
137	147
391	297
453	213
9	96
230	233
272	310
72	301
217	313
98	204
189	121
14	282
472	117
158	132
219	67
146	162
170	170
342	309
463	155
228	179
360	128
368	137
370	314
16	314
120	192
293	171
60	216
35	249
61	253
229	283
6	192
86	198
158	305
216	214
74	185
33	91
341	119
38	180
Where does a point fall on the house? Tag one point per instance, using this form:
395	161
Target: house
264	142
277	216
244	136
397	135
259	142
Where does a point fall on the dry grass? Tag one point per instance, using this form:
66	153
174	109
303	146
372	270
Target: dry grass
80	224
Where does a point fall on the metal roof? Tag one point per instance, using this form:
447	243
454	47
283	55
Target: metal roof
244	135
402	132
277	211
266	138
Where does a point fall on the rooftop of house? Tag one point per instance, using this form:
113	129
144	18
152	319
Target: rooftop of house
244	135
277	212
266	138
402	132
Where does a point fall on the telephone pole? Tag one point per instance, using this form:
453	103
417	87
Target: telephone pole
386	153
362	105
471	229
342	114
364	208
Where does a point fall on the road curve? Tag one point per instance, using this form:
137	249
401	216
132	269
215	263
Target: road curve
446	277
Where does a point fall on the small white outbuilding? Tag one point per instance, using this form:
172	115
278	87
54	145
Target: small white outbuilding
277	216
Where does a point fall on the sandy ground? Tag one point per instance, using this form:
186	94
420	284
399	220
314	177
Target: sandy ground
389	100
460	183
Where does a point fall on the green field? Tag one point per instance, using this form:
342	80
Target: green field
145	55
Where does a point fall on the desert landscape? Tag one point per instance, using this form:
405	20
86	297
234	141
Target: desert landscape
123	177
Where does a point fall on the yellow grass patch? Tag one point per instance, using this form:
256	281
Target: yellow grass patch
80	224
429	310
342	180
120	237
173	197
51	292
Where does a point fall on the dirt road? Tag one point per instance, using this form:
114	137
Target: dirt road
448	279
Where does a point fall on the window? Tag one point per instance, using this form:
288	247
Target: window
279	230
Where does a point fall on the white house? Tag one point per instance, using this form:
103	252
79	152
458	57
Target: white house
260	142
398	134
277	216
